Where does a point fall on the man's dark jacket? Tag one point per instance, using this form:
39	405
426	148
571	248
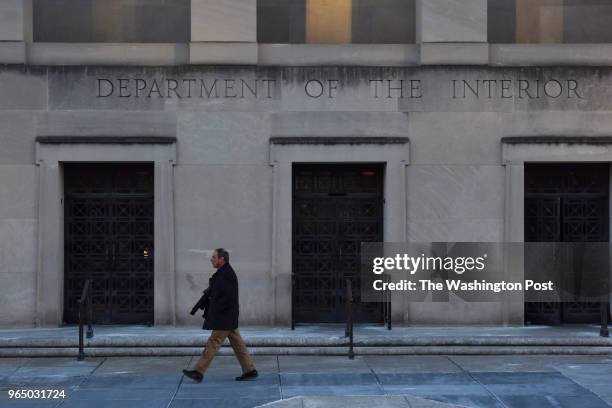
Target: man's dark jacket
221	300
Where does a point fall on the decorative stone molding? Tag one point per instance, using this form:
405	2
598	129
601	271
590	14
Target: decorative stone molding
162	140
394	152
51	153
518	150
337	140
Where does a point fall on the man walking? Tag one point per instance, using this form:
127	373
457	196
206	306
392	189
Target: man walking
220	302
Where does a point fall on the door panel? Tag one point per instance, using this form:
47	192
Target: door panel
565	203
108	216
335	208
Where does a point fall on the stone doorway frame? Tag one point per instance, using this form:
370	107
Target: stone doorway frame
51	153
393	152
516	150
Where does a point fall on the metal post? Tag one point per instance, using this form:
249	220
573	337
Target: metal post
81	355
603	312
389	313
347	307
85	302
292	302
90	331
387	304
349	301
351	353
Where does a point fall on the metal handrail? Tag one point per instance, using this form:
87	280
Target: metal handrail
604	310
293	292
387	305
85	303
349	318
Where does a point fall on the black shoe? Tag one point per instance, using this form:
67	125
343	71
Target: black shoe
194	375
251	375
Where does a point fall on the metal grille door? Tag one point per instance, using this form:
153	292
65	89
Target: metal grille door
335	209
565	203
108	237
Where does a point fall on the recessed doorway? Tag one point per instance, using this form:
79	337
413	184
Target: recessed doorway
566	203
336	207
108	237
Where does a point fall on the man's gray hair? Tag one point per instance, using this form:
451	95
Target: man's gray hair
222	253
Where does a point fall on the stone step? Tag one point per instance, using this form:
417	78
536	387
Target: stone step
297	341
330	350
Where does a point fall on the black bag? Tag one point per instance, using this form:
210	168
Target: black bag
202	304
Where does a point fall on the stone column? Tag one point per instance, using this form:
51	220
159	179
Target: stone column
282	249
165	296
15	30
395	209
223	32
513	312
50	260
452	31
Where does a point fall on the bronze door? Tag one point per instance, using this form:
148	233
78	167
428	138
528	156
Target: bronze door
565	203
335	209
108	237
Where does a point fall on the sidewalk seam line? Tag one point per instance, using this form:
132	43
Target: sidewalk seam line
179	384
78	387
478	382
380	387
280	379
581	386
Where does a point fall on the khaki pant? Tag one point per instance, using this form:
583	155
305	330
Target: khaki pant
216	339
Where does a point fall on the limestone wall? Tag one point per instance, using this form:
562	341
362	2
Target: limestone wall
223	119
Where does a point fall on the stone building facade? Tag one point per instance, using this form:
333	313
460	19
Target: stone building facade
139	135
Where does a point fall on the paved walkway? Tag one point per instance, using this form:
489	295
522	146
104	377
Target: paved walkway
475	381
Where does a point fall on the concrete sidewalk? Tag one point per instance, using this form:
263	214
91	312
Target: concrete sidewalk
311	339
323	381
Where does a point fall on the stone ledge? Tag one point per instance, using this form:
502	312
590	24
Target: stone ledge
337	140
252	53
106	139
12	52
107	54
587	140
550	54
454	54
223	53
339	54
